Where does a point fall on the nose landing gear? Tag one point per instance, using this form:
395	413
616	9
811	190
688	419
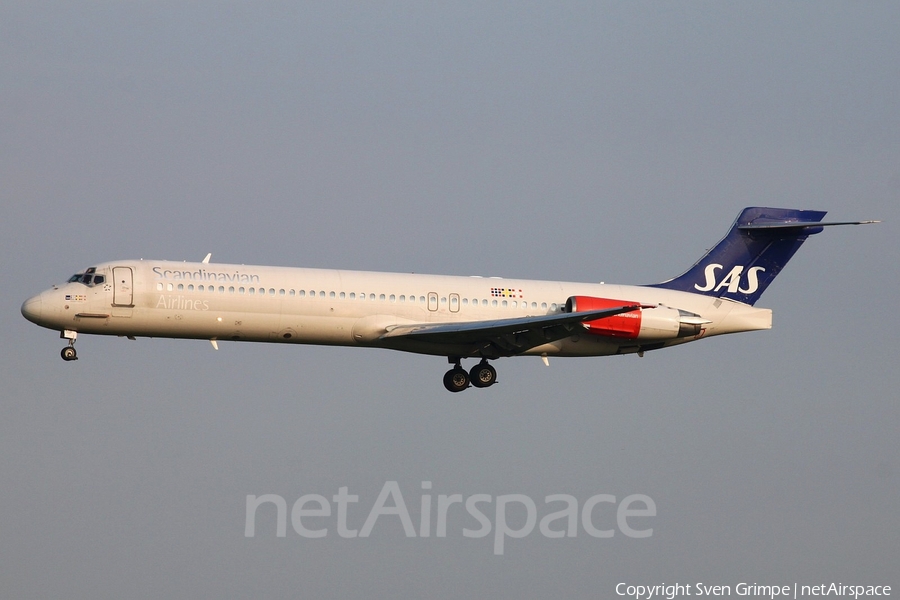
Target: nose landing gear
481	375
68	353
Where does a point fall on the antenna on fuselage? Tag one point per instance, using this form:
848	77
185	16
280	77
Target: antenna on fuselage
208	256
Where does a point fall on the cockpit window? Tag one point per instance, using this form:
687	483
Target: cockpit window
88	277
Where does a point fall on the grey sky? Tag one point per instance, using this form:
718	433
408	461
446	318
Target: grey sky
579	141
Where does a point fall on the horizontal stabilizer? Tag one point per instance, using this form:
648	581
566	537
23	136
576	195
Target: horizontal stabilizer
799	225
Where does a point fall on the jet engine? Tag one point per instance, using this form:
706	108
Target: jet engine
645	323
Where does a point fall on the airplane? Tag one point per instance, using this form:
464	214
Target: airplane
453	316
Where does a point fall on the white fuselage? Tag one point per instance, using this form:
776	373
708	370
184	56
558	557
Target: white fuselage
347	308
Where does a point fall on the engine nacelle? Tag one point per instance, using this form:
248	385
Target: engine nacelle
653	323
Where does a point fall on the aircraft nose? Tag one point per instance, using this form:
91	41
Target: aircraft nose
32	308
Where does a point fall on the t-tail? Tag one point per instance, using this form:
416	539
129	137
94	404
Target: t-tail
755	250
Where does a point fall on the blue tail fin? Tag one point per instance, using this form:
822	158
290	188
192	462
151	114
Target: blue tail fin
744	263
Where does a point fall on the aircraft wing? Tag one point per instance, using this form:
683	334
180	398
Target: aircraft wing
506	336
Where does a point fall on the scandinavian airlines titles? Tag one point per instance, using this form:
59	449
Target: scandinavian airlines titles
205	275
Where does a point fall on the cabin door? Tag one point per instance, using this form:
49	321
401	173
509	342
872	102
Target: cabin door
123	286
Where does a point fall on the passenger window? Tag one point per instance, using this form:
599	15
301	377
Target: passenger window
381	297
291	293
331	294
553	306
170	287
353	295
505	303
159	286
231	289
372	297
181	287
402	298
221	289
493	303
240	290
393	298
343	295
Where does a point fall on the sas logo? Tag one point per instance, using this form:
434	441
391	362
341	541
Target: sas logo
732	280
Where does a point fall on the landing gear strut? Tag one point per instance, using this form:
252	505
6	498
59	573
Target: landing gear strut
457	379
68	353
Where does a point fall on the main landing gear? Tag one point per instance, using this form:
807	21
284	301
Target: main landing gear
68	353
481	375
